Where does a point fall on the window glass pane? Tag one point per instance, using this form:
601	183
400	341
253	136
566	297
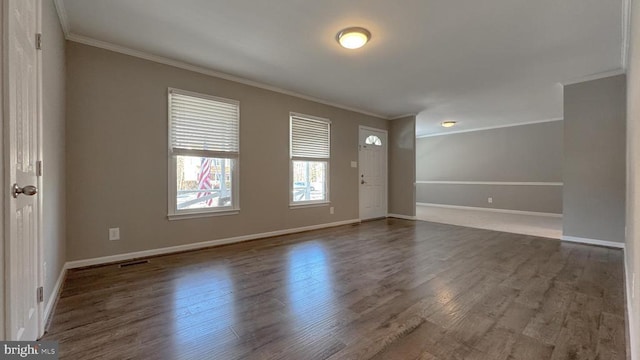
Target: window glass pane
203	182
309	181
373	140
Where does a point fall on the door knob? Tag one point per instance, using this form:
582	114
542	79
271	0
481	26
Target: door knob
28	190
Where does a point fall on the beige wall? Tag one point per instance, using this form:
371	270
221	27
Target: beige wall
53	118
117	156
526	153
594	159
402	166
632	251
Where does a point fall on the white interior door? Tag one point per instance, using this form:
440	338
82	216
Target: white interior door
373	173
21	117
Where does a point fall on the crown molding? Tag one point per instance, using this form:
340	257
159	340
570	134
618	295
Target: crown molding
62	16
626	32
401	116
596	76
64	22
206	71
490	128
69	35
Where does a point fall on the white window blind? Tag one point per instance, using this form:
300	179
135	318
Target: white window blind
200	122
310	138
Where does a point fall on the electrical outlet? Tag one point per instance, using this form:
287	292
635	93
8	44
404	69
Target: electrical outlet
490	200
331	210
114	234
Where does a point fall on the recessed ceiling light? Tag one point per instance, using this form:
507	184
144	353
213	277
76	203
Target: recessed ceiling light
448	123
353	37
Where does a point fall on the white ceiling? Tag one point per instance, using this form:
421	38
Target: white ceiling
481	63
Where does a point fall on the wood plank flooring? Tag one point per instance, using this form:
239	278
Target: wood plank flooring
387	289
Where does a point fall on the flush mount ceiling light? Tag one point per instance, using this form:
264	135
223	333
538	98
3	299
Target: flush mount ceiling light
448	123
353	37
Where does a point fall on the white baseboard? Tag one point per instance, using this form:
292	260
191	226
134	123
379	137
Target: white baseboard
55	294
587	241
199	245
398	216
506	211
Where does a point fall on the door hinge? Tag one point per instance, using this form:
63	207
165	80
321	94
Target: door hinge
39	168
38	41
40	294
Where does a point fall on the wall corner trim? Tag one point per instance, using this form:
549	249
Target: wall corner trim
55	295
199	245
597	242
404	217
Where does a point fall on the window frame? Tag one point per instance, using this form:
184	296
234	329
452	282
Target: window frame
309	203
375	141
173	212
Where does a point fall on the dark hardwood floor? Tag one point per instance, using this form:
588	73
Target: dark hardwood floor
387	289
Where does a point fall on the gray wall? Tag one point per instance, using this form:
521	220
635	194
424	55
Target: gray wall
402	166
632	247
594	159
117	156
543	199
526	153
53	118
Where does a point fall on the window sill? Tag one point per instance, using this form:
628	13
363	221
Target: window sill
202	215
308	205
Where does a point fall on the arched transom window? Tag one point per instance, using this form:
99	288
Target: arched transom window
373	140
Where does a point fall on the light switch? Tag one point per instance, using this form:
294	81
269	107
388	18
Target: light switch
354	164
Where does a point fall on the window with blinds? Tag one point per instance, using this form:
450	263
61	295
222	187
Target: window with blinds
310	152
204	148
200	122
310	138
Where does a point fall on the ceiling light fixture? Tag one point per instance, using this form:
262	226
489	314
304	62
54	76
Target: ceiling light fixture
353	37
448	123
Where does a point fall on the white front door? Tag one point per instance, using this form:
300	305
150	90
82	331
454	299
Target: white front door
21	118
372	175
